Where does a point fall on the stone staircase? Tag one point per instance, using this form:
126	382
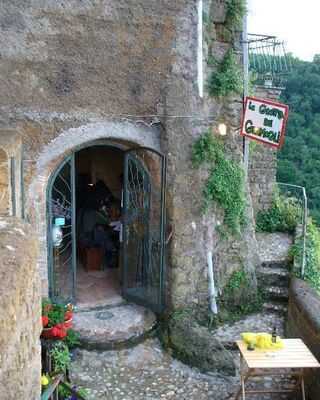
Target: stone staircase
273	279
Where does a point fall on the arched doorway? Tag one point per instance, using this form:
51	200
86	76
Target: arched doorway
95	261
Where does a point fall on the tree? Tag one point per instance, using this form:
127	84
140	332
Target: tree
299	159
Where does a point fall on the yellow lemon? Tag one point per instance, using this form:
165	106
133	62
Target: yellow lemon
44	380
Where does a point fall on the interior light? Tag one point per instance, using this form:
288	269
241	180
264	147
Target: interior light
222	128
90	184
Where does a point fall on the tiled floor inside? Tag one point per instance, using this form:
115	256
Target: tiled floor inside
96	288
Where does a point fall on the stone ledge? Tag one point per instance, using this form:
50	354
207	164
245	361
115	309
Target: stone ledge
114	327
307	300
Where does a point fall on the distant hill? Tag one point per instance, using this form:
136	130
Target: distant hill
299	159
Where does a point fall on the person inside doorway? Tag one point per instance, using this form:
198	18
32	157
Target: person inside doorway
94	223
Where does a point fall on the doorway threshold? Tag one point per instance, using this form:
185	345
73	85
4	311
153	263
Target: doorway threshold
114	326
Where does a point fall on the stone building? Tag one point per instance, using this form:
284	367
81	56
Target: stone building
104	99
115	91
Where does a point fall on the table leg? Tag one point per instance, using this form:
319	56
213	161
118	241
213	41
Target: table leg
243	388
302	387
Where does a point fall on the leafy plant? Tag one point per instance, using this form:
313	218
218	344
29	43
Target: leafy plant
283	215
227	78
54	312
61	357
225	184
235	11
312	268
72	338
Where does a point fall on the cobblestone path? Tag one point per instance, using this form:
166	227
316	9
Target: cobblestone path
145	372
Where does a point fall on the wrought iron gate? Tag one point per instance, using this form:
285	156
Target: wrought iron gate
61	233
143	228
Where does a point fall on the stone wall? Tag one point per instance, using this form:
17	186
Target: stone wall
263	162
304	322
75	72
20	312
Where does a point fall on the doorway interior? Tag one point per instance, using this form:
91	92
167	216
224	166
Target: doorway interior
99	201
106	222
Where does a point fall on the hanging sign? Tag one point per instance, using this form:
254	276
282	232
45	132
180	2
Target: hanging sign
264	121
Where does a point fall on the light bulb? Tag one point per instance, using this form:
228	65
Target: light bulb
222	128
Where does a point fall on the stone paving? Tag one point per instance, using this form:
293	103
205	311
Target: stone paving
262	322
145	372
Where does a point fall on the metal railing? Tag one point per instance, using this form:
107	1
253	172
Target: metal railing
299	193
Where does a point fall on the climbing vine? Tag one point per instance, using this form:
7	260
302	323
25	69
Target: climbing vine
283	215
235	11
227	78
225	184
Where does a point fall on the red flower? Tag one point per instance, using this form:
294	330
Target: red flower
45	321
55	331
62	333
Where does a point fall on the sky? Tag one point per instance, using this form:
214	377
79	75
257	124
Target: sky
295	22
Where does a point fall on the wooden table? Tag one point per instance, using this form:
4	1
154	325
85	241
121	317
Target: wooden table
295	357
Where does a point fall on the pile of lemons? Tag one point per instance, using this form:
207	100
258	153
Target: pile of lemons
262	341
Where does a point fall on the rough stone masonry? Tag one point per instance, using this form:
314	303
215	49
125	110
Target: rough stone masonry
67	65
73	72
20	363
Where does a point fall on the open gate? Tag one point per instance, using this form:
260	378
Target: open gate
144	228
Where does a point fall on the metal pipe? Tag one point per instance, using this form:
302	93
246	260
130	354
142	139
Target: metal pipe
305	221
245	49
212	290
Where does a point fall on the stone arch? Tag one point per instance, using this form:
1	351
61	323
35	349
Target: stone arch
122	134
4	182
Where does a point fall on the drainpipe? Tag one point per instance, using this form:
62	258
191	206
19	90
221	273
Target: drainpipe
212	290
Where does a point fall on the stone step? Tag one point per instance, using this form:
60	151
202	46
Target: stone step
275	307
114	327
280	264
277	293
272	276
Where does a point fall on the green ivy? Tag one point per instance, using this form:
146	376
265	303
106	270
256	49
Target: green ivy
312	268
227	78
235	11
225	184
283	215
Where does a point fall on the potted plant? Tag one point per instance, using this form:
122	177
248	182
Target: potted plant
56	320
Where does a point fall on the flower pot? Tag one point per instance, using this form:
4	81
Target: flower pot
47	333
68	324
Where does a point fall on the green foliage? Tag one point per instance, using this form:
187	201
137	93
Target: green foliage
283	215
61	357
72	338
55	312
312	269
299	159
225	184
236	301
227	78
65	391
235	11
